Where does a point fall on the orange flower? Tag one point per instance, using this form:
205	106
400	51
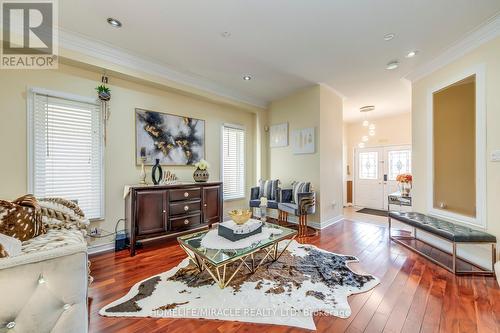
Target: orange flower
404	178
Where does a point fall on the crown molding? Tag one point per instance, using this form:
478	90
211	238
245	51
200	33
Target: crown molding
472	40
75	42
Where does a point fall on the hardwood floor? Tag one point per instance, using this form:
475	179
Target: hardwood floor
414	295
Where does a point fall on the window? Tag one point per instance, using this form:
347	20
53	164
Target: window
399	162
368	165
233	161
66	150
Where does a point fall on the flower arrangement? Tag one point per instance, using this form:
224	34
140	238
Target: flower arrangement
405	178
202	165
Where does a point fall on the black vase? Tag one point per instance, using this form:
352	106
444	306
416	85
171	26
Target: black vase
156	172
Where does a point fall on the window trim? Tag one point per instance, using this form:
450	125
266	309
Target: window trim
31	91
239	127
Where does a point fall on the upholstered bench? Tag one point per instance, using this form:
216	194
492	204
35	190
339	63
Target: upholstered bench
451	232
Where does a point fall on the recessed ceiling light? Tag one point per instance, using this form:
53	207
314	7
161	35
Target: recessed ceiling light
392	65
114	22
389	36
247	77
225	34
411	54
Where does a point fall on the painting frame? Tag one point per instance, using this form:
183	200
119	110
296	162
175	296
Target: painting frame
278	135
304	141
150	161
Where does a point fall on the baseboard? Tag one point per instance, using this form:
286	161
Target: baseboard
101	248
331	221
497	272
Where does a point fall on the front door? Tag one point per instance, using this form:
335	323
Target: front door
376	170
368	189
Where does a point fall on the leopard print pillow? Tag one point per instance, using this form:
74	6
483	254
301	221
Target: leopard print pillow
3	253
21	218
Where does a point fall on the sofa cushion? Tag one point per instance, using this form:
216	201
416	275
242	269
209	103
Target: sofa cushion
9	246
268	188
21	218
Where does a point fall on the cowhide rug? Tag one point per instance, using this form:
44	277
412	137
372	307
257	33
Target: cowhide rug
304	281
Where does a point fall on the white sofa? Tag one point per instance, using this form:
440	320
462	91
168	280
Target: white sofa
44	289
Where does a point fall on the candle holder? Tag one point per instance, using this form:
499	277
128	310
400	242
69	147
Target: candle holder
142	176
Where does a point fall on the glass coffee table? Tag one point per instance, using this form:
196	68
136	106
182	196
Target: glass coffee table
216	261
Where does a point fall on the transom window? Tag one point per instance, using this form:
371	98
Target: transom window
368	165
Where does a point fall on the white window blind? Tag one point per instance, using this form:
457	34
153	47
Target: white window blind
233	161
67	152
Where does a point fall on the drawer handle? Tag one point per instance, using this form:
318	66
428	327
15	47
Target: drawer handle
186	194
204	205
186	221
164	211
186	208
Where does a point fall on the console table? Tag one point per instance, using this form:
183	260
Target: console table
163	211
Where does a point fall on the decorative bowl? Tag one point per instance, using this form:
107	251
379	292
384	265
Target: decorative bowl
240	216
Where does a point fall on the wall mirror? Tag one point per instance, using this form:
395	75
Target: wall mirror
457	150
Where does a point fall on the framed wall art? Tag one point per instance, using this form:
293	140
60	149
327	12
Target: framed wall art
173	139
278	135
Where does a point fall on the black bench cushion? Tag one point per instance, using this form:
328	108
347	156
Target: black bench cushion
448	230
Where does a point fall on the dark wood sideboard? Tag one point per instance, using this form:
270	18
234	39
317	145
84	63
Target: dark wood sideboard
170	210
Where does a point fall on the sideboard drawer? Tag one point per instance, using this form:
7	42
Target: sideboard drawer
186	222
185	207
185	194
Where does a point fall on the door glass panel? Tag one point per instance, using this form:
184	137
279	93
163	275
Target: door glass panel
399	162
368	165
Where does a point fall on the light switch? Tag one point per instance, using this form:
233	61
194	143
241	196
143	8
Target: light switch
495	156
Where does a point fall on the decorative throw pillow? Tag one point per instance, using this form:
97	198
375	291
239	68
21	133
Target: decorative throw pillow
9	246
21	218
59	213
300	187
267	188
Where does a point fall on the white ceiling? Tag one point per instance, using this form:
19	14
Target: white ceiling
286	44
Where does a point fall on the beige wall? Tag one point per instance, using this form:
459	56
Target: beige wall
331	154
394	130
454	130
489	55
299	110
321	108
119	156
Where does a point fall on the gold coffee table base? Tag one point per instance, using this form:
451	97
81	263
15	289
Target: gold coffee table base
220	274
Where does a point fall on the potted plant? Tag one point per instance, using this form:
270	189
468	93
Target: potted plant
405	181
103	92
201	175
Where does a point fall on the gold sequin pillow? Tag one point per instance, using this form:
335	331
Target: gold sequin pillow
21	218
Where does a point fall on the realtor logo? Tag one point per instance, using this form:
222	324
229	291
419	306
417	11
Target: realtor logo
29	39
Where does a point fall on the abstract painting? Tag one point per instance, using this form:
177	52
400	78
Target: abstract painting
278	135
303	141
174	140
